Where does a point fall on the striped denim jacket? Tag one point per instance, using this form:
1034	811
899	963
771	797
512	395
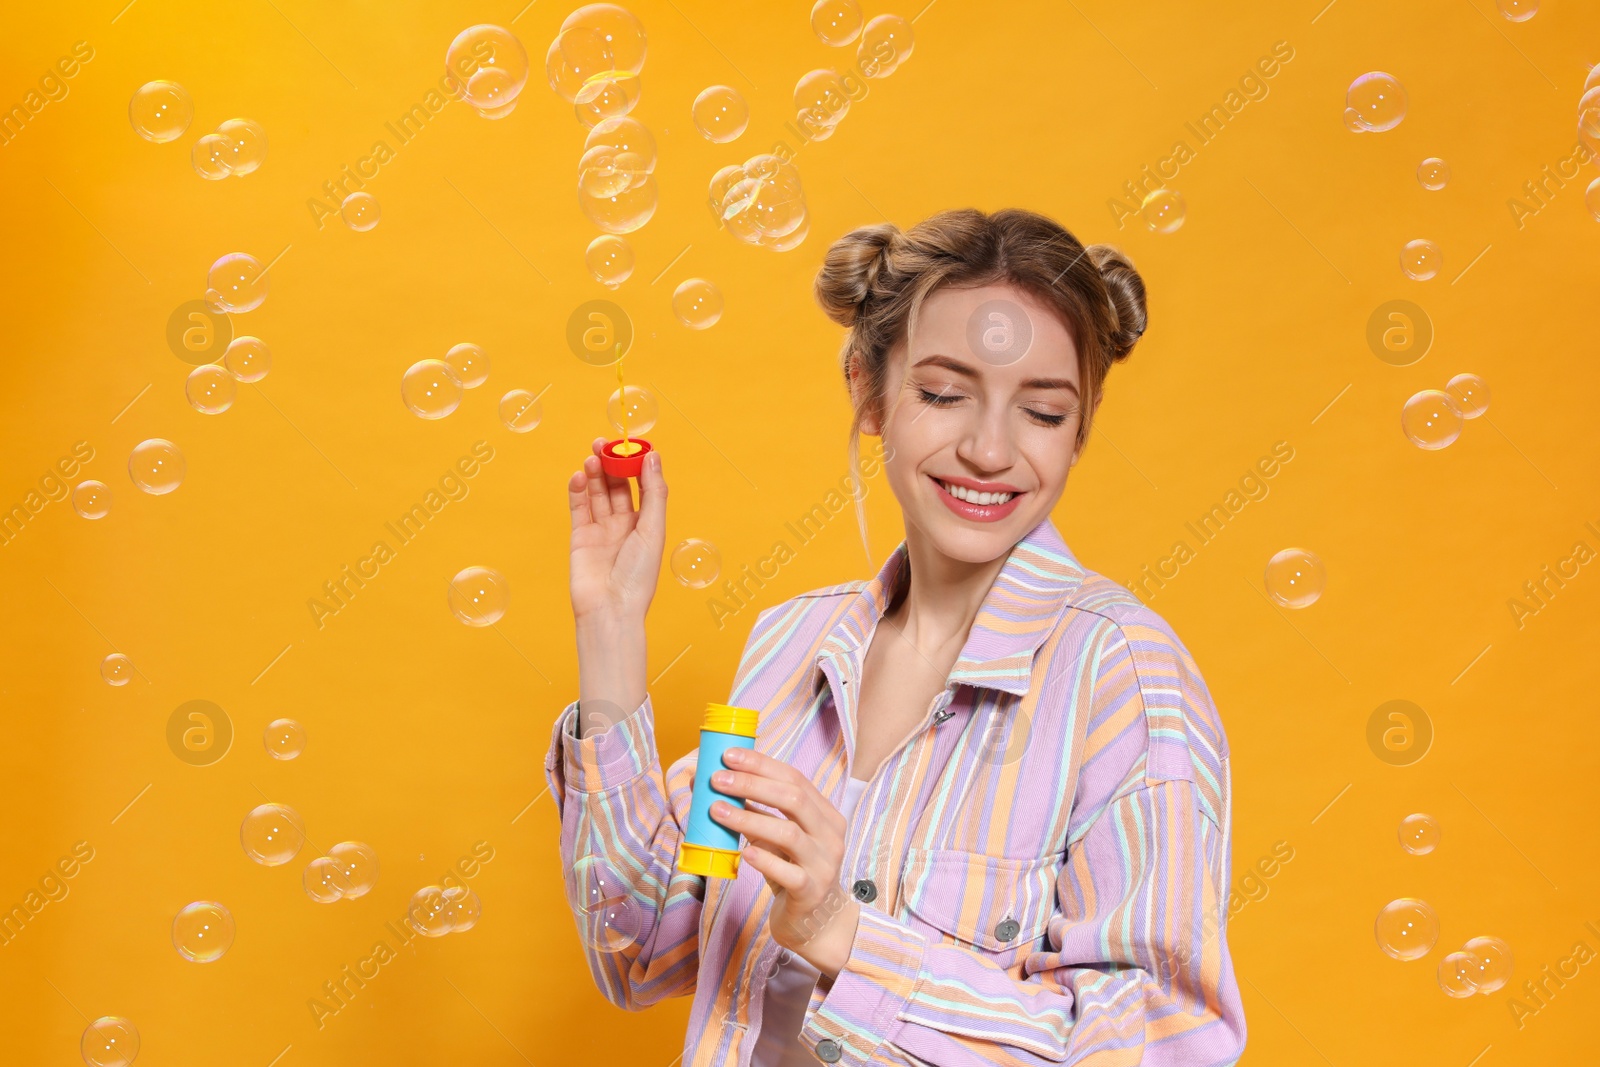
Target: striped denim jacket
1050	847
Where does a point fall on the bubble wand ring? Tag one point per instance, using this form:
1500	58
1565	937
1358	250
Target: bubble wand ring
624	458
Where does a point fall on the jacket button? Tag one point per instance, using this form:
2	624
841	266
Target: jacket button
864	890
1008	930
828	1050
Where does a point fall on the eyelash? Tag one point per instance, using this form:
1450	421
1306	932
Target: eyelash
940	400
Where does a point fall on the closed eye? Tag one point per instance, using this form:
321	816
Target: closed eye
940	399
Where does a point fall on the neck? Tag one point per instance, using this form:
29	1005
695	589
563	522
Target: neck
937	607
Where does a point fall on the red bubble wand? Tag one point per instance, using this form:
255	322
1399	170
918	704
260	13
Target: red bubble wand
624	458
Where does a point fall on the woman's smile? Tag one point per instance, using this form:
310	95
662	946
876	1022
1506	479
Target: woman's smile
978	501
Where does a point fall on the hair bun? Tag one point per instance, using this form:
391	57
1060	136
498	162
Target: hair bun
851	269
1126	291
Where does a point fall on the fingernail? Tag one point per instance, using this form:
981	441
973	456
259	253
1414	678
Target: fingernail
733	755
654	461
722	778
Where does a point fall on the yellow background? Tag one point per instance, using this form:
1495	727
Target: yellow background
426	736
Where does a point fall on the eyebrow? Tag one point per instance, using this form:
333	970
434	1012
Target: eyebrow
952	364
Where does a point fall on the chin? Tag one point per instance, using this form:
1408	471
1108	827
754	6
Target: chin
974	542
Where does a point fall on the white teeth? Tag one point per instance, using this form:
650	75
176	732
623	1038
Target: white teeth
972	497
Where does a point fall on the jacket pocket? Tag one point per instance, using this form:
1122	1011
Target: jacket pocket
1000	905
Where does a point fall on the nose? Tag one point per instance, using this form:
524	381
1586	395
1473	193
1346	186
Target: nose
986	441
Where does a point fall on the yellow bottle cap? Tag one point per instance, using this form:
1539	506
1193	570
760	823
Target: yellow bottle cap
730	720
712	862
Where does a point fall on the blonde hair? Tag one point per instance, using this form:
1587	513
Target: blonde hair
874	279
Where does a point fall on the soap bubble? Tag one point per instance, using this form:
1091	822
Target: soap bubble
244	145
359	863
836	22
1419	834
607	97
92	499
1589	112
885	44
1519	10
622	212
1456	973
324	880
609	919
463	906
479	596
210	157
284	738
1591	199
1494	963
760	198
429	389
1352	121
1163	211
272	834
1296	577
1470	393
1433	173
820	102
491	64
610	259
789	240
1420	260
1379	101
109	1041
116	669
696	563
202	931
247	358
1407	929
697	303
160	111
720	114
156	466
469	364
236	283
520	411
632	410
360	211
616	187
597	41
1431	420
210	389
497	112
430	912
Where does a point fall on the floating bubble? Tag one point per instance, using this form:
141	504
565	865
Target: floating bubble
1433	173
1591	199
1379	101
272	834
1518	10
360	211
1296	577
836	22
720	114
629	150
497	112
633	410
1163	211
156	466
284	738
468	363
886	43
610	259
210	157
1494	963
609	919
324	880
607	97
789	240
479	596
1470	393
1352	121
92	499
820	102
1431	420
596	41
236	283
1456	973
116	669
1589	112
491	64
244	145
160	111
210	389
464	908
359	863
1407	929
622	212
1420	260
247	358
109	1041
696	563
1419	834
520	411
760	198
430	912
203	931
697	303
429	389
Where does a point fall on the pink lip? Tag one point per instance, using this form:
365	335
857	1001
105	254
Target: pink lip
977	512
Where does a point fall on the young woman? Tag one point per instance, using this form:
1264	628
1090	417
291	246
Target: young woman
987	811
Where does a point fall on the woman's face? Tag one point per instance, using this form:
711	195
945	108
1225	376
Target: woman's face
982	414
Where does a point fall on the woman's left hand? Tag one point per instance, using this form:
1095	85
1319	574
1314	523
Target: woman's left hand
799	856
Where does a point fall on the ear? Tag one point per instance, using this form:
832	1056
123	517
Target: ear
869	421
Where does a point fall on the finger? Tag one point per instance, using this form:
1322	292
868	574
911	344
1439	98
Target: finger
773	833
773	782
779	872
652	496
599	500
578	500
616	489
